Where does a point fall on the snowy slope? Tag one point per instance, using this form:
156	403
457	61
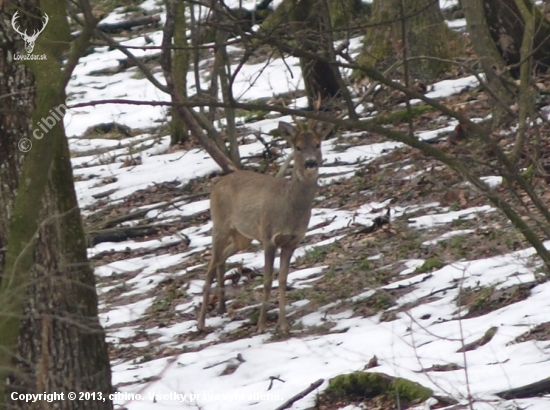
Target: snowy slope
426	335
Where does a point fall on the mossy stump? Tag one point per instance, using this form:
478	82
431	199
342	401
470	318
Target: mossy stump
363	386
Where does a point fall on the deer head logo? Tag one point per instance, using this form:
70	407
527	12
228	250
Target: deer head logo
29	40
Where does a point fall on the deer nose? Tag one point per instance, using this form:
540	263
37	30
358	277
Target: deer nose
311	163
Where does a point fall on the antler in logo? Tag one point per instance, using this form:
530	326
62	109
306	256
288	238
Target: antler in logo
29	40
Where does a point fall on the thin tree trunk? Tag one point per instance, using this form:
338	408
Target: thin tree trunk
506	22
309	31
180	67
489	57
223	66
190	117
525	91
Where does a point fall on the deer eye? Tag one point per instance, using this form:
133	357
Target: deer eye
298	148
318	146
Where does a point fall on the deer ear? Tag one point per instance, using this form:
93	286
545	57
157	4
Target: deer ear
323	129
288	132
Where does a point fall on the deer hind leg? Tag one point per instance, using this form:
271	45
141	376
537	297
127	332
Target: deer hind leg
238	243
219	244
269	250
223	246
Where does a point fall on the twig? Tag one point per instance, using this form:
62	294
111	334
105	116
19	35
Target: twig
300	395
272	378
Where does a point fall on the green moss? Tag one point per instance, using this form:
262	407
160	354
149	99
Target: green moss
367	385
435	262
382	301
409	390
358	384
529	172
401	116
364	265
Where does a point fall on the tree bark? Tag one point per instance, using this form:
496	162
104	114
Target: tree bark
180	67
308	29
61	343
426	34
223	70
506	23
50	336
490	58
343	12
17	89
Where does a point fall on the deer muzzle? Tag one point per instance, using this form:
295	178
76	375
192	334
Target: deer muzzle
311	163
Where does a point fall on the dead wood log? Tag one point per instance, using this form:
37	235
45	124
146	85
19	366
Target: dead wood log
300	395
120	234
529	390
128	24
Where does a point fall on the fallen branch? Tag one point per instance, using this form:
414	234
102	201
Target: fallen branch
300	395
529	390
142	212
120	234
127	25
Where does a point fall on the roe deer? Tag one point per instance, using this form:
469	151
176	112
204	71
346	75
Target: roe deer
247	205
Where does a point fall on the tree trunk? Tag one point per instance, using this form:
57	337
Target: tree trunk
489	57
17	89
50	336
343	12
180	67
506	24
61	343
308	29
222	66
426	35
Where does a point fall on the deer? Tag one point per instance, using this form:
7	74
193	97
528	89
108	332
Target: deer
247	205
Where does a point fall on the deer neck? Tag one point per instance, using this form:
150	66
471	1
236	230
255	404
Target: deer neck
301	192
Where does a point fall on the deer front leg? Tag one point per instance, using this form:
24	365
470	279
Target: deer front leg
269	251
286	254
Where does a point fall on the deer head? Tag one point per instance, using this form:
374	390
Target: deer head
29	40
306	139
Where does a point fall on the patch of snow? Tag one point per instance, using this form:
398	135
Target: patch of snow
428	221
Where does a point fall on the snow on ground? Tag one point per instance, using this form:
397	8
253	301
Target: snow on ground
419	339
426	335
